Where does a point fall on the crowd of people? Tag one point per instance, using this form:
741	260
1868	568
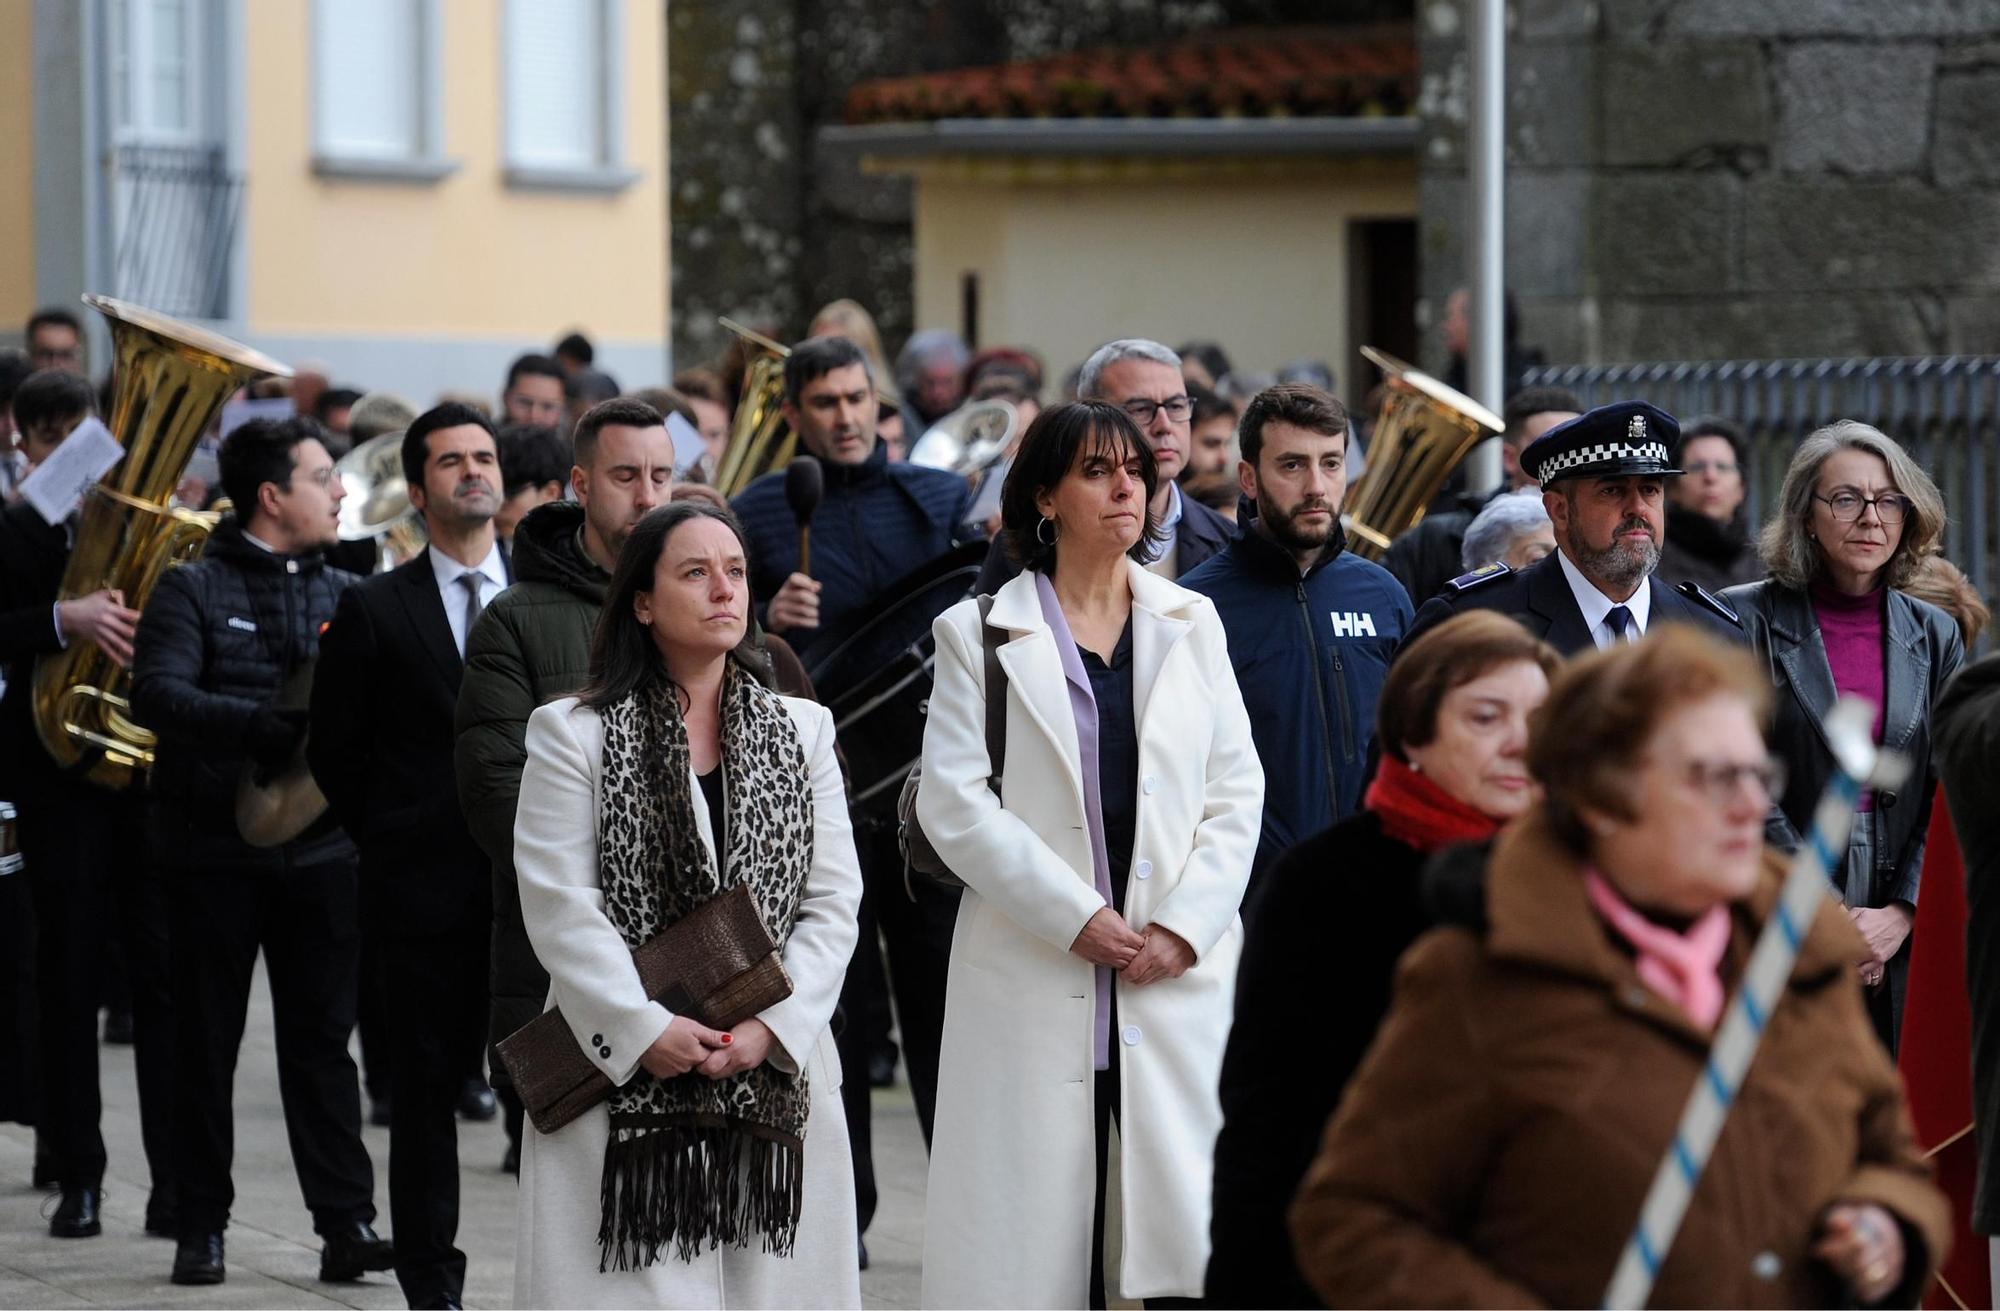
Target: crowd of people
1310	930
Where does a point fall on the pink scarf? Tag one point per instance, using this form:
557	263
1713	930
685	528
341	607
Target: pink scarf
1682	967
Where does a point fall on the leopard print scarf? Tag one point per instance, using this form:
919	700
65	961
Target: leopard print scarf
695	1162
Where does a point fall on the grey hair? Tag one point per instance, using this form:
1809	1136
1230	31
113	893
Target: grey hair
1113	352
924	346
1787	544
1505	520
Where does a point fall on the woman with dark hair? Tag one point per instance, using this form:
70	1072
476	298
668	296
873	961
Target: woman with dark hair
1497	1142
1707	540
718	1174
1453	725
1095	951
1856	519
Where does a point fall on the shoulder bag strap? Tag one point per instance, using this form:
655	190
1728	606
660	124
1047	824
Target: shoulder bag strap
996	697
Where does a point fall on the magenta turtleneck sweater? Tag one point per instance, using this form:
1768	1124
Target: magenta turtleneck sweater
1851	627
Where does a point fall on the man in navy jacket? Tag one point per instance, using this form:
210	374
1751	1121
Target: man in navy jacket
1311	627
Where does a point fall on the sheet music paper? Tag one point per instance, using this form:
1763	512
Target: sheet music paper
688	445
58	484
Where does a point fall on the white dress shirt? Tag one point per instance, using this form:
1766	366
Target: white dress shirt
1595	605
492	581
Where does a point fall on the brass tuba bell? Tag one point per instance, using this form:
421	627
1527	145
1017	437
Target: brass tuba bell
170	379
1424	429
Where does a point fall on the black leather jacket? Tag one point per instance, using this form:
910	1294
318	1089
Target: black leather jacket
1922	650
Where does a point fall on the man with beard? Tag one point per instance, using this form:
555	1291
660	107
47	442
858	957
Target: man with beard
218	643
380	747
1143	378
1604	478
1312	627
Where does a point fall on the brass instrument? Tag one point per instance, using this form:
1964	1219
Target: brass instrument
171	379
970	440
273	812
760	440
1424	429
377	505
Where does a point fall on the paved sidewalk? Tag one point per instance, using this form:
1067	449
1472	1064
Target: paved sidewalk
274	1255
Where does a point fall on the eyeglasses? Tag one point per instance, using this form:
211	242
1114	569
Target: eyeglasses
1722	468
1719	780
1890	507
323	477
1178	408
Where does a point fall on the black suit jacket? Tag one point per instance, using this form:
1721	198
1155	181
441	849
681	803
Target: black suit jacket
1200	533
32	557
1539	597
384	699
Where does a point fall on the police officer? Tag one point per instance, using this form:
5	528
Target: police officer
1604	479
1312	628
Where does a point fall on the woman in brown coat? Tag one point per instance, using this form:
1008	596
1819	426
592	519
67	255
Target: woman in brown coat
1496	1145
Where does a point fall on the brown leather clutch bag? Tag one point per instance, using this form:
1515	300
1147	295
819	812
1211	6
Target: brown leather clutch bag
717	964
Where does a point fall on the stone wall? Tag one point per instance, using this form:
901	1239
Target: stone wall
766	225
1710	179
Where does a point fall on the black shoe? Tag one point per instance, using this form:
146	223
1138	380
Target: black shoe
445	1301
162	1216
76	1215
476	1101
353	1252
882	1068
378	1111
198	1260
118	1028
511	1162
46	1175
862	1252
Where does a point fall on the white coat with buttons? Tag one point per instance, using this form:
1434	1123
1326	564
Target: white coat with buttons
1013	1150
592	978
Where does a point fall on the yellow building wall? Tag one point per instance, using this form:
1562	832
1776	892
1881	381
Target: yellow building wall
17	164
468	256
1069	256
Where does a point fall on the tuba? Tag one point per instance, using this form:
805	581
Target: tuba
377	506
1424	429
760	441
171	379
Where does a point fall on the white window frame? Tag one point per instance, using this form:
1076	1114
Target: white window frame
137	33
608	173
428	162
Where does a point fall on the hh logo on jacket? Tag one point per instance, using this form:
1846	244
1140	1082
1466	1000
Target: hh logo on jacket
1350	623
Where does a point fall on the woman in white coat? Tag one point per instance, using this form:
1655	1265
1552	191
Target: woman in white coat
1094	961
718	1174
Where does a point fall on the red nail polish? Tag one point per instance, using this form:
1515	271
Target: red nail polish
728	1038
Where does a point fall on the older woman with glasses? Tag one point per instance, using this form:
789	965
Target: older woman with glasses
1856	519
1499	1138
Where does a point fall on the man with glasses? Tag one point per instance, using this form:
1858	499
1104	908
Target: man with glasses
1144	379
55	340
1604	479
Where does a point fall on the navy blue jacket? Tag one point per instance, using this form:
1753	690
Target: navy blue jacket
877	521
1310	652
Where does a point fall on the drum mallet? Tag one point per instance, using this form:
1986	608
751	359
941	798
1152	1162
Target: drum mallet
805	483
1799	900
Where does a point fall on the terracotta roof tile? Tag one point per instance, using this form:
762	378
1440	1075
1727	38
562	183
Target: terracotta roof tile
1250	72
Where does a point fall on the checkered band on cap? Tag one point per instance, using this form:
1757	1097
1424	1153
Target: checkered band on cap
1606	453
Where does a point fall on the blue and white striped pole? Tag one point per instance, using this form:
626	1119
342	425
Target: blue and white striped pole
1805	891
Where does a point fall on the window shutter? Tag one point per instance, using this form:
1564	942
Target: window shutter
555	83
368	77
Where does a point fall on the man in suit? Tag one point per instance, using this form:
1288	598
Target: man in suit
219	640
381	748
82	849
1143	378
1604	478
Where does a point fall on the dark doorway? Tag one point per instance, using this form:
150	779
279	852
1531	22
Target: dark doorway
1381	300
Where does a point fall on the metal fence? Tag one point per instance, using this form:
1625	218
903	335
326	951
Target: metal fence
1944	410
176	208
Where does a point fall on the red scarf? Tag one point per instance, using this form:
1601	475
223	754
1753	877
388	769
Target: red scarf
1418	813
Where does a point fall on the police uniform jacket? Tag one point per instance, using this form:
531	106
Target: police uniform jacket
1310	652
1539	597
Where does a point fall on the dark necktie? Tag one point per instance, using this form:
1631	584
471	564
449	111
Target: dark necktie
1621	624
469	580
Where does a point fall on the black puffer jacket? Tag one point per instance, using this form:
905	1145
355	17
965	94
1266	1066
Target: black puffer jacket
217	639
